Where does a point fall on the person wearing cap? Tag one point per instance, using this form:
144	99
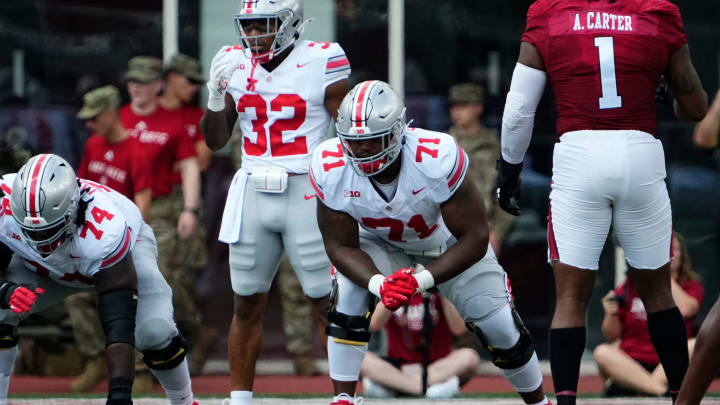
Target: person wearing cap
115	159
175	203
182	76
467	105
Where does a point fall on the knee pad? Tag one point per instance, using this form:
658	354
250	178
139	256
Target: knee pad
514	357
351	329
169	357
154	333
8	336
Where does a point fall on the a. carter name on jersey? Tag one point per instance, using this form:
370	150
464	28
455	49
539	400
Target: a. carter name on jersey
596	20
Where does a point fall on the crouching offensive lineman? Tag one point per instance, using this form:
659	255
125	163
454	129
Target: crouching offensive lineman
420	217
69	234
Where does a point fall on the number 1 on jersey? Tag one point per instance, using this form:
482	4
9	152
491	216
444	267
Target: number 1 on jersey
606	50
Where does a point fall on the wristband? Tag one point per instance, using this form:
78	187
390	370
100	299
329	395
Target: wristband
374	285
423	277
216	104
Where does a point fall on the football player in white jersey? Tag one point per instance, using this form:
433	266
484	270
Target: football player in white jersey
282	92
421	224
60	235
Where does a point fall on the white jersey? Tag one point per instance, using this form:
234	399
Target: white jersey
112	224
433	167
282	113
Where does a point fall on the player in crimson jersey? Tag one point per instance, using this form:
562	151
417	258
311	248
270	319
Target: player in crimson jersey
282	93
111	156
398	215
604	59
66	235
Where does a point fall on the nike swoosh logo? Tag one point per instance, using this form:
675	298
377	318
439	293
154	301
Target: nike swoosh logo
304	64
307	197
417	191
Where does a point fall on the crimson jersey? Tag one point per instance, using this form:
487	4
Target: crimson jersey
112	225
604	60
635	338
164	139
120	166
405	329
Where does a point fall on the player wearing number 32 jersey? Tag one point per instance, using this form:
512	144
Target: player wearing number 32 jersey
282	93
59	235
398	215
604	60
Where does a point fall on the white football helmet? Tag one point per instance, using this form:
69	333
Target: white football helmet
44	201
372	110
288	20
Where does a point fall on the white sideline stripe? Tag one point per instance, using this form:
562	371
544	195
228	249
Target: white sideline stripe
324	401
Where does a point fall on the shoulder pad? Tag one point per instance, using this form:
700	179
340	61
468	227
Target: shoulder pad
435	153
105	232
327	166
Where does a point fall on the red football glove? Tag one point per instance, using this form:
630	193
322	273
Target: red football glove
398	288
23	298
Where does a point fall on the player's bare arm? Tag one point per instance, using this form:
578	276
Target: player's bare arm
690	98
464	215
217	125
707	131
334	94
342	245
116	288
529	56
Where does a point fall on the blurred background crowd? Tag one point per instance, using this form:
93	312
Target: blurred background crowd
459	57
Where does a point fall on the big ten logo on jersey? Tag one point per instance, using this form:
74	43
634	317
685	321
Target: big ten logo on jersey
352	193
275	110
397	228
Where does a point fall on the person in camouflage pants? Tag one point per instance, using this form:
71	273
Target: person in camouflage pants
467	104
297	313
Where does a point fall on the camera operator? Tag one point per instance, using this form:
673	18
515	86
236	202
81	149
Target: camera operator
629	364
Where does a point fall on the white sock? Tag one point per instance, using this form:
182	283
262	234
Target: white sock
176	381
241	397
344	397
7	359
545	401
345	360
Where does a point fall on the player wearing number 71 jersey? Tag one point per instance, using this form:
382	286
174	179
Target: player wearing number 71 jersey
282	92
604	59
421	223
60	235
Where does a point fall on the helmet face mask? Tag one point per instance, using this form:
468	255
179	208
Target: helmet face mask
44	202
281	20
371	111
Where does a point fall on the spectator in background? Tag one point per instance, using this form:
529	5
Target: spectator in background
112	158
467	105
631	366
175	200
401	371
707	130
182	76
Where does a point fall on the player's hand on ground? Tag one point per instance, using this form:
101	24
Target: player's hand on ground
187	222
398	288
610	304
508	186
23	298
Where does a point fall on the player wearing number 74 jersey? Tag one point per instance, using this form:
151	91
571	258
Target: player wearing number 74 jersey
604	59
60	235
282	93
421	224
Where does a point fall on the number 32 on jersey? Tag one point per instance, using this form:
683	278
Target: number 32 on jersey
256	102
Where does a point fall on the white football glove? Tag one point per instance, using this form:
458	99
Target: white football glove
222	68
